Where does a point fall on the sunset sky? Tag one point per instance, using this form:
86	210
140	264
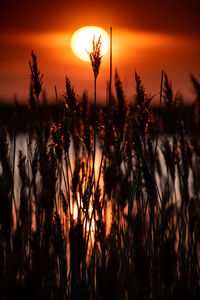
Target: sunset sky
148	36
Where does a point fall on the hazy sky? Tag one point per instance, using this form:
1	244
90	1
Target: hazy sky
156	15
147	36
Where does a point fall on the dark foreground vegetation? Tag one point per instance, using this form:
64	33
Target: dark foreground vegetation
147	183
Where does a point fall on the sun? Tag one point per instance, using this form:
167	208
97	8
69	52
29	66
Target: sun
81	41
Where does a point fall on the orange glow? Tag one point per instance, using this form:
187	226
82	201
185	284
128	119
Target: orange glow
75	214
146	52
81	42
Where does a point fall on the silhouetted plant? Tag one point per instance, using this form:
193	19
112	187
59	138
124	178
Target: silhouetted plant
125	228
36	78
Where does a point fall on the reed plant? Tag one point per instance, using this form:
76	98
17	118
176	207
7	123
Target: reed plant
125	225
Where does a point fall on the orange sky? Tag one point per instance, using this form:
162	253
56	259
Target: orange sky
145	40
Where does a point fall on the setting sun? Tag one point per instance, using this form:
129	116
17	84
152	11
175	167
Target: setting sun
81	42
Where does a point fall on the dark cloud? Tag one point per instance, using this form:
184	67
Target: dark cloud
166	16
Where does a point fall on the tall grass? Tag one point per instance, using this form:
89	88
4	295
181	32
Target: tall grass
56	241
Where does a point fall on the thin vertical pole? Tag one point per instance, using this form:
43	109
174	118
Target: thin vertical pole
159	112
110	82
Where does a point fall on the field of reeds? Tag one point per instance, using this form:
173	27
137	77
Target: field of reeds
104	202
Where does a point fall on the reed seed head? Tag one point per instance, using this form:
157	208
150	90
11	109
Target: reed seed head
36	77
95	56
